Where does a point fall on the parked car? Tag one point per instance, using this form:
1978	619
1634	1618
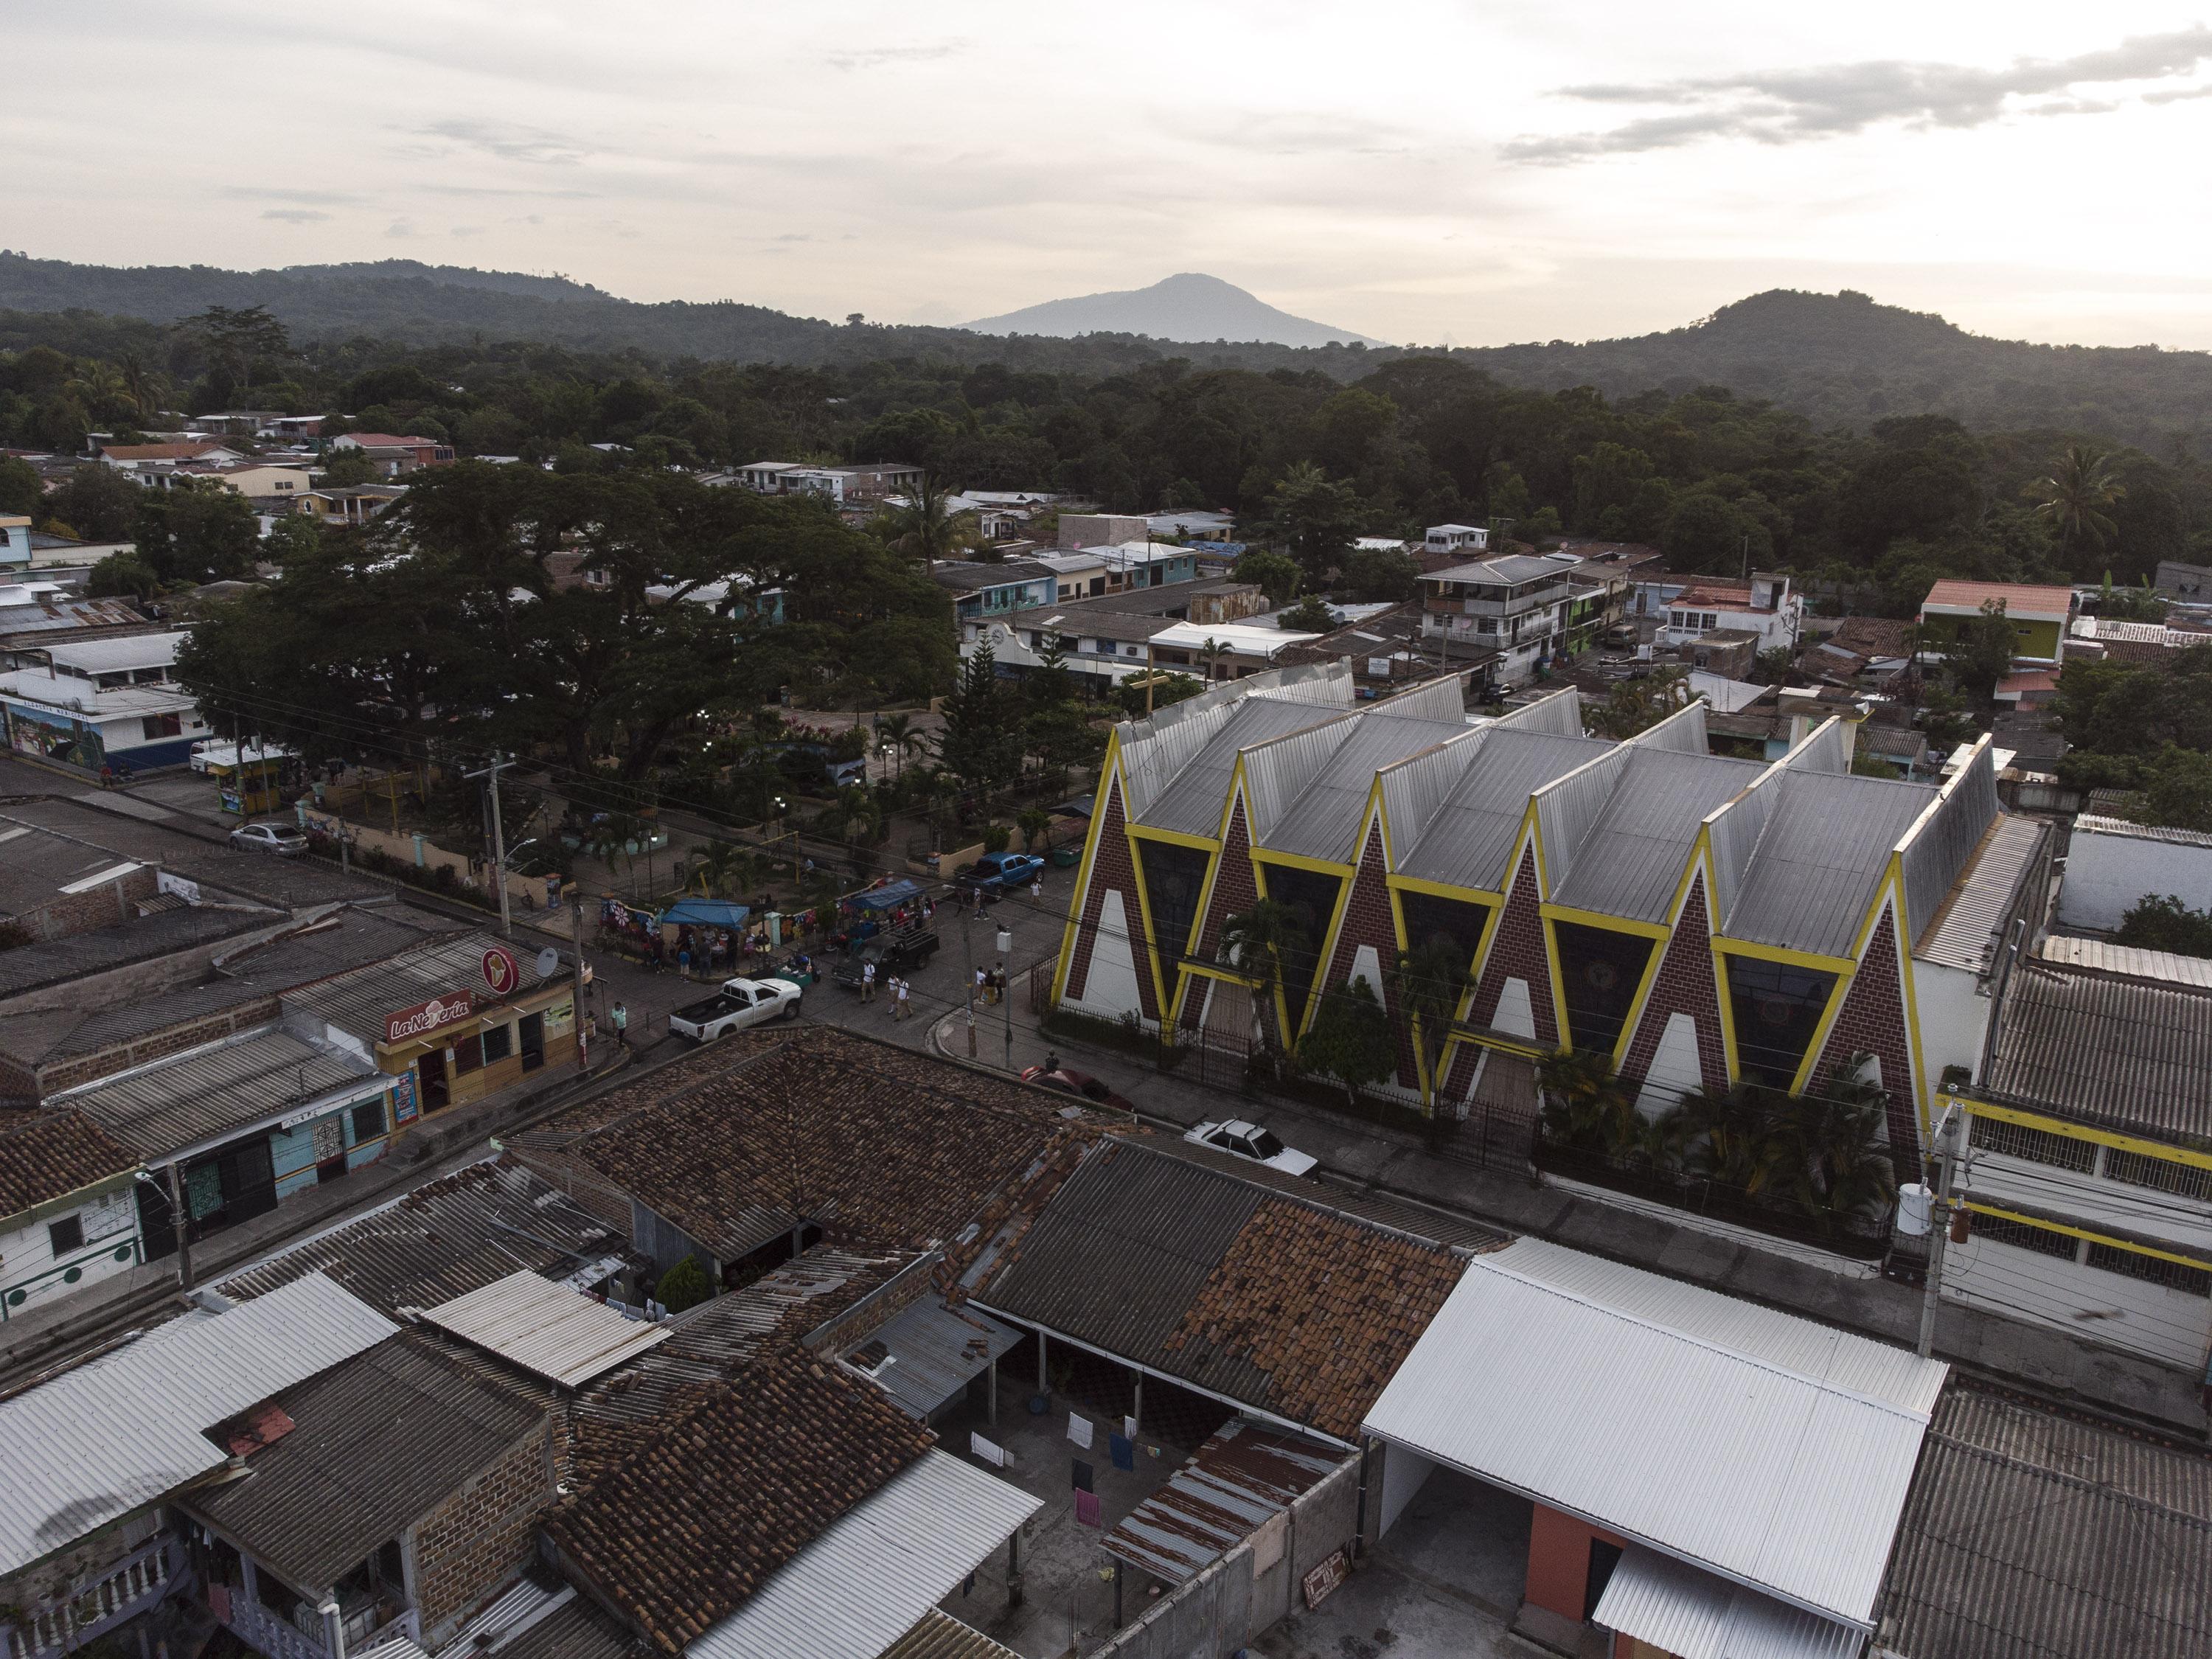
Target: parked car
1066	1081
1001	872
1243	1139
1621	635
739	1003
282	839
891	953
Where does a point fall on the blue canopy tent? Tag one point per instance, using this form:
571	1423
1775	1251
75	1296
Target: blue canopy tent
879	901
704	913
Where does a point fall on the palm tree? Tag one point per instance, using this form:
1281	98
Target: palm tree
1253	942
1834	1159
924	526
2072	498
101	387
897	730
1429	983
1735	1136
1585	1105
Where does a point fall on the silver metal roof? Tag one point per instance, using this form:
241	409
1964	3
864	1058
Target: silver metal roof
2101	956
1468	843
1968	926
1937	847
1825	848
1632	859
931	1352
117	1433
205	1093
357	1002
877	1569
1277	771
1154	749
1324	821
557	1333
1597	1385
1674	1606
1191	800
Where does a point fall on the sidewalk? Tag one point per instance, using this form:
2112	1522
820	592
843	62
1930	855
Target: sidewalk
2037	1358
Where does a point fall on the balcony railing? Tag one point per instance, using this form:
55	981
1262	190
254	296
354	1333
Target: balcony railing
132	1586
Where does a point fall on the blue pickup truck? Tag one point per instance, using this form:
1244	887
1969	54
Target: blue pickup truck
1001	872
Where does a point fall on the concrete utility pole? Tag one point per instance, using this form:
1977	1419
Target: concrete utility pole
1006	987
177	1218
490	775
583	1028
1939	1218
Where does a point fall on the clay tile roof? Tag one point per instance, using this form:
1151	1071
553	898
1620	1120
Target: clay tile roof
189	451
869	1142
705	1504
2020	598
47	1155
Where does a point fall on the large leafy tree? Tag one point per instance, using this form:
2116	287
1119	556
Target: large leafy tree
1350	1037
1316	516
196	530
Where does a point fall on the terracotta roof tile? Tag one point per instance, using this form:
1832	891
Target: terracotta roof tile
46	1155
706	1502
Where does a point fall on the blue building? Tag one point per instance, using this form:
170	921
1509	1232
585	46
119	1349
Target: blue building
108	702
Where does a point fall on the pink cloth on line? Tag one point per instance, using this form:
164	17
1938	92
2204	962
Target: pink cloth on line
1087	1512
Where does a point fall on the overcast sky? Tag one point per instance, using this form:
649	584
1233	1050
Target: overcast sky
1412	169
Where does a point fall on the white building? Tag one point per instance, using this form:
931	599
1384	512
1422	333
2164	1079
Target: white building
1514	604
1456	538
96	703
74	1218
1765	606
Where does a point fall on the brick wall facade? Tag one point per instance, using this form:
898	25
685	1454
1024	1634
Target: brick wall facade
1234	890
1111	870
1873	1022
1369	919
44	1080
472	1544
1685	984
67	914
1517	952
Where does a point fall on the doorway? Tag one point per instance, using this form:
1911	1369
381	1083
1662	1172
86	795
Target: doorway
430	1076
531	1041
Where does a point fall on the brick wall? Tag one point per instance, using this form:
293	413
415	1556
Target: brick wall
1517	952
1111	870
1873	1022
1368	919
904	1288
472	1544
67	914
51	1079
1234	890
1685	984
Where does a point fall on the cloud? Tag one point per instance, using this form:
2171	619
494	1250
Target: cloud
466	230
296	215
502	190
1787	106
304	198
883	57
400	229
509	141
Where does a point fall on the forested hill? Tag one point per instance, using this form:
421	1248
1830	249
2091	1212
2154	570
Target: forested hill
1840	360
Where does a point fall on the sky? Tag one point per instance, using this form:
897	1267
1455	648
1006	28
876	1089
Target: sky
1414	170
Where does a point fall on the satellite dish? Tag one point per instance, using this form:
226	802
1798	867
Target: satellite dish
549	962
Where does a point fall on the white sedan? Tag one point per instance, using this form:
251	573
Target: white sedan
739	1003
1243	1139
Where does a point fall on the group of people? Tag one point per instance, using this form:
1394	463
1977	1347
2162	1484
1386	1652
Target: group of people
990	983
898	989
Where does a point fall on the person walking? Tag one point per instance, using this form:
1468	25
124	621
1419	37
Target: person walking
905	1009
620	1015
983	986
867	981
683	960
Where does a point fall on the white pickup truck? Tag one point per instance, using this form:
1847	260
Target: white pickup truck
739	1003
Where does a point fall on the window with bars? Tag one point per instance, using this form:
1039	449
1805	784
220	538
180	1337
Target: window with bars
2133	1264
2022	1235
2038	1146
2162	1175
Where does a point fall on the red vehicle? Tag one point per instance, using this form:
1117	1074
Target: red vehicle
1066	1081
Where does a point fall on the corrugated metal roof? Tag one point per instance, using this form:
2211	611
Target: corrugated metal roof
1817	864
457	1234
1968	926
1632	859
905	1546
940	1636
2031	1536
1190	803
559	1334
377	1443
1277	770
357	1001
1674	1606
1559	713
200	1095
117	1433
1938	848
1598	1386
2101	956
1468	842
2131	1055
1324	821
568	1627
1239	1478
931	1352
2097	824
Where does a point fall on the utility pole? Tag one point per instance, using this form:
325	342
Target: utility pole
968	973
176	1224
490	775
1939	1218
1006	987
583	1030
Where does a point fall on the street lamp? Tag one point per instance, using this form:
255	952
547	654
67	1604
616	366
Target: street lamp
1006	987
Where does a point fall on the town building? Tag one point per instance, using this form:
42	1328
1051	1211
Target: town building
68	1215
15	544
100	704
349	506
1514	604
1697	920
395	454
2179	578
1081	530
2039	616
1455	539
2114	862
1765	607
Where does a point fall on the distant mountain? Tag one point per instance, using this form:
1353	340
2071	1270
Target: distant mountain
1190	307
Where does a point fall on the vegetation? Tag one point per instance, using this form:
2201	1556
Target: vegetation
2146	727
1350	1038
1429	983
686	1284
2157	923
1253	942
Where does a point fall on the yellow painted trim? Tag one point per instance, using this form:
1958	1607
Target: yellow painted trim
1282	1006
1922	1090
1445	889
1834	1012
1347	878
1300	861
1109	781
2059	1126
1700	859
1150	939
1599	918
1174	838
1812	959
2069	1232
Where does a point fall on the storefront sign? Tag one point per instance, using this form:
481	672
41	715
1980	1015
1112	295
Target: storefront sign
425	1018
562	1020
403	1097
501	971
